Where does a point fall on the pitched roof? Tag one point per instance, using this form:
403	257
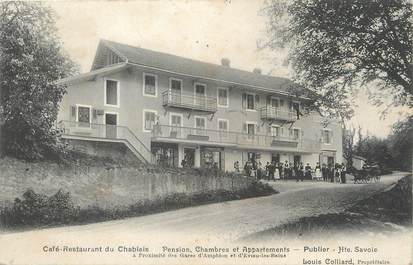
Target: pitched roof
92	74
195	68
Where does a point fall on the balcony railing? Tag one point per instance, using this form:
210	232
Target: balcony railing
273	113
233	138
109	132
187	101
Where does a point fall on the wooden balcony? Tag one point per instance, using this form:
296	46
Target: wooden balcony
189	102
277	114
169	133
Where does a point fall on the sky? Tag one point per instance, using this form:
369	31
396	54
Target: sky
201	30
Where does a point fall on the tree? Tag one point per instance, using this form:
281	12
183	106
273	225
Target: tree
31	61
392	152
401	144
335	46
348	145
376	150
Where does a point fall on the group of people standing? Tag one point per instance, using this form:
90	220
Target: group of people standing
297	171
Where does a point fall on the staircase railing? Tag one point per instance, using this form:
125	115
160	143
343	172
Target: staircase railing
113	132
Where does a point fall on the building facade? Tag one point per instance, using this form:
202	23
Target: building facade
168	109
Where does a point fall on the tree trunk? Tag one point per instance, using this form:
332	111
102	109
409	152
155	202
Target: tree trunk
2	145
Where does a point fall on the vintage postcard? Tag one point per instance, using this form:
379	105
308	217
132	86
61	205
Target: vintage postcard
206	132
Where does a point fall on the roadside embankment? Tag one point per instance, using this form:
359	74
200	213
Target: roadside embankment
385	212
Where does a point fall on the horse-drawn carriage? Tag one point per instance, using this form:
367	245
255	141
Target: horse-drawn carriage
367	174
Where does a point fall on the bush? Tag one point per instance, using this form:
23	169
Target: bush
38	209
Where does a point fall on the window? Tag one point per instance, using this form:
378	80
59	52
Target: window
111	93
251	128
222	125
150	85
176	120
149	117
111	120
175	85
275	131
326	136
295	106
200	125
200	90
83	115
250	102
296	134
275	102
223	128
222	97
176	124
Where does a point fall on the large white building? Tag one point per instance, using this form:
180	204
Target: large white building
165	108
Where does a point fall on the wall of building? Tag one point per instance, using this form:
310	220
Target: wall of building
133	102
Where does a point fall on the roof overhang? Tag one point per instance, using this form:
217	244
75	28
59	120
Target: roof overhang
90	76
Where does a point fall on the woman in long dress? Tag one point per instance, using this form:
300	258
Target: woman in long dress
277	172
318	172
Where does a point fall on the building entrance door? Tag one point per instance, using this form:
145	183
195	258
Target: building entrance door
297	160
275	158
212	157
111	121
189	156
330	160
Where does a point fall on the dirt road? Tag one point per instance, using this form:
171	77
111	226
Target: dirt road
221	222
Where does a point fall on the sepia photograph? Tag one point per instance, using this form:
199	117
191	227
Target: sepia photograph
206	132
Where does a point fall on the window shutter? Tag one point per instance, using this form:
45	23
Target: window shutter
257	101
95	113
268	100
73	111
302	132
281	102
244	127
269	130
282	131
244	100
257	128
321	136
331	136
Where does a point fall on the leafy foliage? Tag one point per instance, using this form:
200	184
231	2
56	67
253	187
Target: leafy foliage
38	209
401	144
31	61
394	152
338	45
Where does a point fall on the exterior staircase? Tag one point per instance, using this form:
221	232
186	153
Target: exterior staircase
107	133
